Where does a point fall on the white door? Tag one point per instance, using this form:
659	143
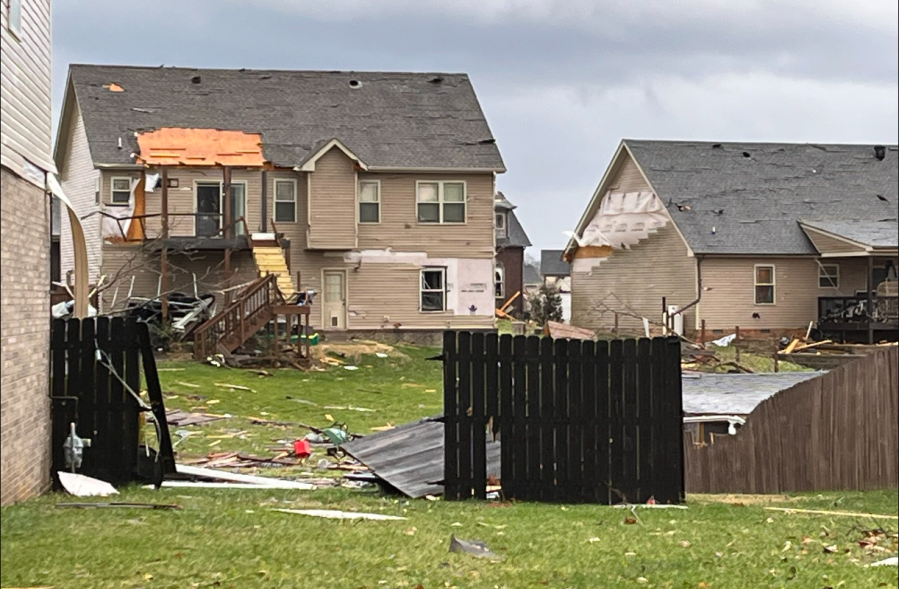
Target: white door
335	299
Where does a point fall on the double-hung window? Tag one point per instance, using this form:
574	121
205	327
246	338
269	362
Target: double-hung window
764	285
369	201
828	276
440	202
499	225
433	289
120	190
499	282
285	201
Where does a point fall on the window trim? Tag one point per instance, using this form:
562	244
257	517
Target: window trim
422	290
112	191
834	281
772	284
359	200
501	231
501	269
440	202
275	200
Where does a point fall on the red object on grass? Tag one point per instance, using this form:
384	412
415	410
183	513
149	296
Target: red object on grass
302	448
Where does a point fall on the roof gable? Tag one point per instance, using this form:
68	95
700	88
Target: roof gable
388	120
748	198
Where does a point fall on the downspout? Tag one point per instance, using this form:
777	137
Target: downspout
699	259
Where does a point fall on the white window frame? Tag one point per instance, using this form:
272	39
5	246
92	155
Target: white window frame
422	290
113	191
14	18
440	202
359	202
772	284
275	199
501	270
501	229
833	281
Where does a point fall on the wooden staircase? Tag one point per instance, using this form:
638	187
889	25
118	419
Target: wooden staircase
269	257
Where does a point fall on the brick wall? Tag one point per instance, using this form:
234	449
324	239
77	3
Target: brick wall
512	259
24	339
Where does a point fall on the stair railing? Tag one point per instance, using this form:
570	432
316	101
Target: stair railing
240	320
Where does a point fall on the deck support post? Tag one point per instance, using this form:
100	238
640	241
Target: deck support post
164	256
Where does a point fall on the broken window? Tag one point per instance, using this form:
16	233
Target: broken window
828	276
764	285
370	201
441	202
499	224
433	289
120	191
499	282
285	201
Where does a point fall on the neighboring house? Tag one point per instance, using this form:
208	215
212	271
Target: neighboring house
532	282
511	241
378	186
556	272
25	163
767	237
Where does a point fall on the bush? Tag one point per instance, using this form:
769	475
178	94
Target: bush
546	305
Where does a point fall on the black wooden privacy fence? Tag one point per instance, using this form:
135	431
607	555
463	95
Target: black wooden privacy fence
94	362
597	422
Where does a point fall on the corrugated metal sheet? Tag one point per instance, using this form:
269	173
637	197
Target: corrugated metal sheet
411	457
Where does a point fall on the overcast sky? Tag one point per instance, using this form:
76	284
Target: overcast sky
560	81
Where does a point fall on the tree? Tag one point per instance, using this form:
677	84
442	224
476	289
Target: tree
546	304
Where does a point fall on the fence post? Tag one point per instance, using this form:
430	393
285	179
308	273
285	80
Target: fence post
737	342
702	334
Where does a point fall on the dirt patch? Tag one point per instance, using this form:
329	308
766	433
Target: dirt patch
741	499
356	349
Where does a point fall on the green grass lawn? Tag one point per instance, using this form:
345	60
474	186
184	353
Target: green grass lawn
232	538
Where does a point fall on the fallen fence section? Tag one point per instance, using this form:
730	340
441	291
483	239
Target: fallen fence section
579	421
835	432
95	377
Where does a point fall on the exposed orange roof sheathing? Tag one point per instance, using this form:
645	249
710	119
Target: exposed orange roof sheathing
200	147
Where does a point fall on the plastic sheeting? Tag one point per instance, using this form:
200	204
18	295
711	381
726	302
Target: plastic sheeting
116	220
624	219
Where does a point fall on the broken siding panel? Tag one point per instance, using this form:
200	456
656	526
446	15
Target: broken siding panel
78	180
728	297
400	230
25	85
635	281
831	245
332	202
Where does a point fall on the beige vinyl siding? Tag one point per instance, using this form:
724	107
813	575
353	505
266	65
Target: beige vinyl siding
25	111
78	179
120	263
634	281
400	230
831	245
332	202
728	298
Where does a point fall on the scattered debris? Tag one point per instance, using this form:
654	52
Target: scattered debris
351	368
834	513
171	369
334	514
724	341
83	486
219	475
181	418
234	387
280	485
155	506
188	384
563	331
350	408
648	506
889	562
472	547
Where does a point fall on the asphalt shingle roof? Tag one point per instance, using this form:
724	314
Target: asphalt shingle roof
531	275
747	198
515	233
735	394
552	264
870	233
389	120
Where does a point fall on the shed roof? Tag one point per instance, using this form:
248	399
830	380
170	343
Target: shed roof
389	120
747	198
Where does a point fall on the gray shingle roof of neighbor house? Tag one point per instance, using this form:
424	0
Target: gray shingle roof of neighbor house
876	234
552	264
515	233
736	394
531	275
388	120
748	198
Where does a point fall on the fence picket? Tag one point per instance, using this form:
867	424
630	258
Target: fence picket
478	422
451	482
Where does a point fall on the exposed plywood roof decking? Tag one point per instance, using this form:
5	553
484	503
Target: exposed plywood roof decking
200	147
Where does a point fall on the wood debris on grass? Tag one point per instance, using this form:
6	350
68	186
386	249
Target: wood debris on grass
334	514
181	418
833	513
188	384
235	387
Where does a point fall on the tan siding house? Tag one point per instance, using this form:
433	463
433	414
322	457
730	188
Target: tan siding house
765	237
25	162
419	258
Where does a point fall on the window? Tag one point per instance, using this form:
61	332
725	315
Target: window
286	201
441	202
499	282
14	17
499	224
828	276
433	289
764	285
369	201
97	190
120	191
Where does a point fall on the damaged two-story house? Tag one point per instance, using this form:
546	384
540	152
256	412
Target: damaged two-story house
377	189
767	237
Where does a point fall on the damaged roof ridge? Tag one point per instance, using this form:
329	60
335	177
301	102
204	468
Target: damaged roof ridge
173	68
